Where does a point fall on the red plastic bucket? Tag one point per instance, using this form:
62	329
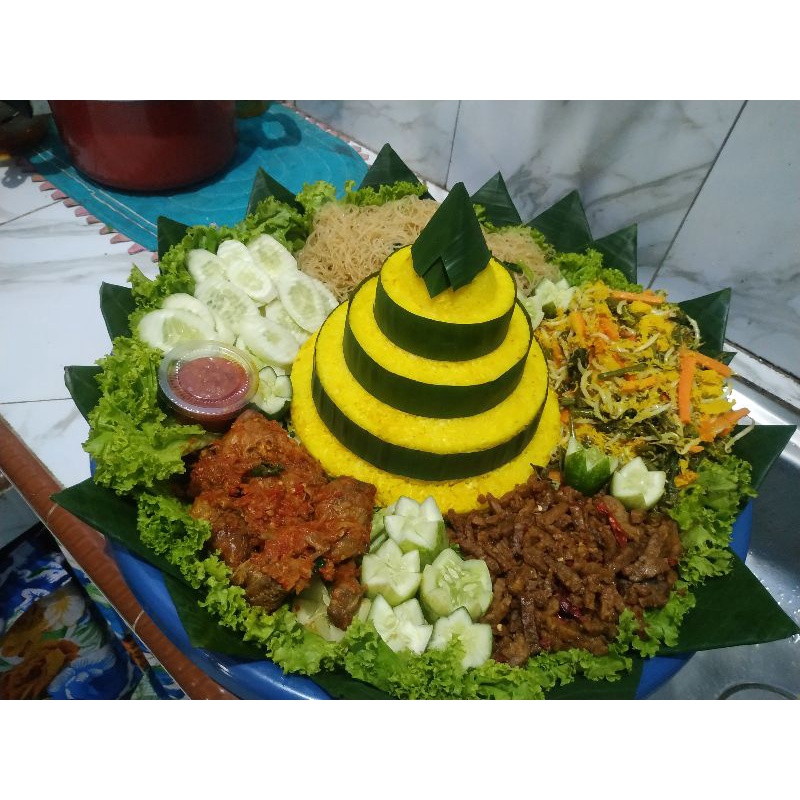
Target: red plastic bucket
147	145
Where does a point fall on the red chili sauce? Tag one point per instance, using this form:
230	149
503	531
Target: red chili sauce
210	381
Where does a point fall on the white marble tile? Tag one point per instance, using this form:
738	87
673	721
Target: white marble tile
54	430
420	131
51	267
631	161
19	195
744	232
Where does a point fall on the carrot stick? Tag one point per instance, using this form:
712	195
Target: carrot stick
711	427
646	296
608	327
578	324
686	363
712	363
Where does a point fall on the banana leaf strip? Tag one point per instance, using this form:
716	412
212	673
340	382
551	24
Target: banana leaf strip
564	225
731	610
450	251
762	446
169	233
264	186
389	168
203	629
81	383
498	207
710	312
584	689
341	686
619	250
113	516
116	305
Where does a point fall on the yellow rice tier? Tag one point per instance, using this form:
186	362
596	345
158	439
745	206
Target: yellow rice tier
489	295
433	435
459	495
430	370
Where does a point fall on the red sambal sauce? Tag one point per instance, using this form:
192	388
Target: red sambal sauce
210	381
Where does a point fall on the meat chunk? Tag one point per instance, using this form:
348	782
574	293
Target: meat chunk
565	566
277	520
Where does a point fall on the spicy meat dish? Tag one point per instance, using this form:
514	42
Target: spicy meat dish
276	518
564	566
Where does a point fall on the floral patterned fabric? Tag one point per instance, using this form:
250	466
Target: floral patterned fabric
59	637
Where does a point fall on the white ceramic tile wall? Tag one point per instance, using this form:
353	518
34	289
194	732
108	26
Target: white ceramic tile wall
744	232
713	185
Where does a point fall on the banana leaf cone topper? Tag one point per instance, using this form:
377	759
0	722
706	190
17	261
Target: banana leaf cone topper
753	615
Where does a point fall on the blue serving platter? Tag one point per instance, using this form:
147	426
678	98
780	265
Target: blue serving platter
264	680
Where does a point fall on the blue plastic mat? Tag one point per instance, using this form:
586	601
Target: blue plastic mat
288	147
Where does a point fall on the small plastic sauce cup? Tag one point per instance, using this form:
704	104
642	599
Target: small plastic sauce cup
208	383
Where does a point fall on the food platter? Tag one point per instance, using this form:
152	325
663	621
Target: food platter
263	680
189	588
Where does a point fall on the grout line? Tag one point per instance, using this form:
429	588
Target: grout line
697	194
452	146
28	213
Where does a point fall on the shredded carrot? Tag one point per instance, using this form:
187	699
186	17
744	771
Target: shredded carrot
686	364
711	427
712	363
608	327
578	324
564	416
647	296
558	356
636	385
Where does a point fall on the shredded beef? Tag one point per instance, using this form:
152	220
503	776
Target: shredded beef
565	566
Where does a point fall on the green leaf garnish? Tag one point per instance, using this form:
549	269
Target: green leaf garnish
619	251
564	225
170	233
498	207
710	312
264	186
116	305
81	382
389	168
450	251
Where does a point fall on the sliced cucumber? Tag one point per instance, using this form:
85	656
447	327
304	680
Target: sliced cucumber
188	302
268	342
204	266
475	637
272	256
274	392
243	270
587	469
391	573
277	313
402	627
450	582
416	526
637	487
232	304
303	300
224	332
166	327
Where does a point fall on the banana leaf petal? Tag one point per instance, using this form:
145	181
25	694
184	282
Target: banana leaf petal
113	516
116	305
564	225
203	629
264	186
169	233
389	168
583	689
81	382
762	447
498	206
619	250
735	609
710	312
